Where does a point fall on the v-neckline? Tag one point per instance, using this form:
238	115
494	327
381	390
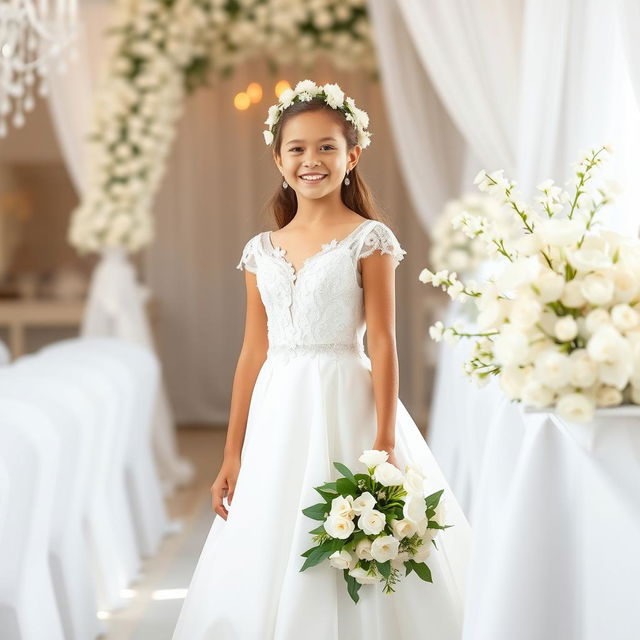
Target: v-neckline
281	253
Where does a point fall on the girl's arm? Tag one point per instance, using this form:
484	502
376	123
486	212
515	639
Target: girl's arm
252	355
378	282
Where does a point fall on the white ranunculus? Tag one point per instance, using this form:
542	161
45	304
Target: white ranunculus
362	577
373	457
414	508
597	288
607	345
626	283
552	368
341	506
403	528
399	560
566	329
388	475
586	260
363	549
512	381
537	395
525	312
624	317
413	483
608	396
511	346
572	295
371	522
362	503
560	232
595	319
575	407
520	272
384	548
584	371
341	560
617	373
549	285
339	527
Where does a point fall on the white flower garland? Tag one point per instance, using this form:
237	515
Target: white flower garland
165	48
332	94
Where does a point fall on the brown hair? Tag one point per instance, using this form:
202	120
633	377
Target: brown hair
357	195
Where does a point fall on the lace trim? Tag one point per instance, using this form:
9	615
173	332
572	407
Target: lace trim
248	259
299	349
381	238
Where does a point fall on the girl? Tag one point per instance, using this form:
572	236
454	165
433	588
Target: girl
305	395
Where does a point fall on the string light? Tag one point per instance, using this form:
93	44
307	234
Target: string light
281	86
254	91
242	101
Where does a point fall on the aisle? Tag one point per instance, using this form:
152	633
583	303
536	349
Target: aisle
155	601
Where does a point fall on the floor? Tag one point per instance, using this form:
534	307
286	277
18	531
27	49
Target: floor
154	602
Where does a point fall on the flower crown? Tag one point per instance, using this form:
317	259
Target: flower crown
332	94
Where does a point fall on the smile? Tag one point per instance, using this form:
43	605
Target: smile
312	178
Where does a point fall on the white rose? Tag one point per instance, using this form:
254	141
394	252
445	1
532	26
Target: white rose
624	317
512	380
588	259
616	373
537	395
339	527
575	407
403	528
625	282
566	329
373	457
595	319
423	552
511	346
608	396
414	508
549	286
597	288
413	483
571	295
388	475
584	371
341	506
525	312
362	503
421	527
362	577
607	345
552	368
371	522
363	549
399	560
341	560
384	548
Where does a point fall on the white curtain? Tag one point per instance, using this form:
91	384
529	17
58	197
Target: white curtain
220	174
430	150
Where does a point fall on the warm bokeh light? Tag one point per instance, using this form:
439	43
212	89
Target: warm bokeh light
241	101
254	91
281	86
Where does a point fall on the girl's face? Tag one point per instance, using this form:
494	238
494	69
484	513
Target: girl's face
313	155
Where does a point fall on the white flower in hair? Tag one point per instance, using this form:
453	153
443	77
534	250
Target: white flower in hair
308	86
335	95
286	98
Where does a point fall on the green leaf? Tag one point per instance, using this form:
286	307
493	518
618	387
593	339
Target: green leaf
318	530
408	566
316	511
327	495
321	553
353	586
345	471
384	568
422	570
346	487
433	500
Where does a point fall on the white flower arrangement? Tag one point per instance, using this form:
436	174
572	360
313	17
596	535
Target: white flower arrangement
462	221
332	94
162	50
560	323
377	526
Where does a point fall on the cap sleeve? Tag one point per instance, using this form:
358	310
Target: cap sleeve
380	238
248	259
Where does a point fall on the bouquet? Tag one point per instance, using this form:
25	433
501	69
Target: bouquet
376	526
559	323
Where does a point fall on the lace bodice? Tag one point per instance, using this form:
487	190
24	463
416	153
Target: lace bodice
321	303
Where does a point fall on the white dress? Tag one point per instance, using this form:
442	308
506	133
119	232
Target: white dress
313	404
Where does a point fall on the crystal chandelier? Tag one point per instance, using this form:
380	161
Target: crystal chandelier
33	37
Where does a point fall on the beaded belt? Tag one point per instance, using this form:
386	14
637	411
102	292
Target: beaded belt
298	349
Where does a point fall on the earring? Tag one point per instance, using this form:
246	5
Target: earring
346	180
284	184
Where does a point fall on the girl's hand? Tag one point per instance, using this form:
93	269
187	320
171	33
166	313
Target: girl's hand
390	450
225	484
